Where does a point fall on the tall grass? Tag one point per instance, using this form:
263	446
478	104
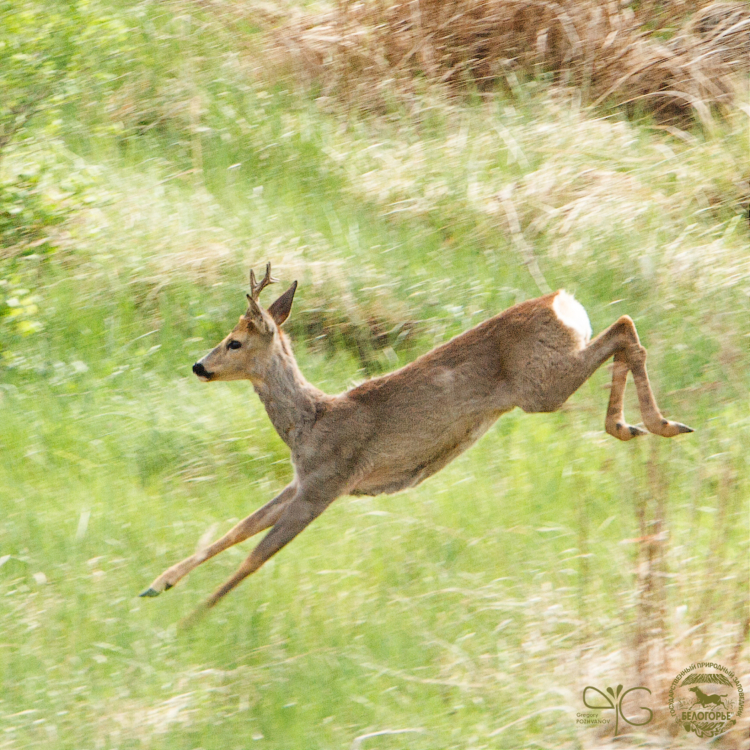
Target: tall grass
673	59
468	612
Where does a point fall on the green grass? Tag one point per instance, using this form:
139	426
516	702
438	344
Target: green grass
471	610
447	608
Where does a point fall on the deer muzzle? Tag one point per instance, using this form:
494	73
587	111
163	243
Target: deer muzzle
202	373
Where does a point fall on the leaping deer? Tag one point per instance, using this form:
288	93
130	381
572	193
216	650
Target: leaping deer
394	431
712	699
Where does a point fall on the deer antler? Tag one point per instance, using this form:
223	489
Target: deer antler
257	287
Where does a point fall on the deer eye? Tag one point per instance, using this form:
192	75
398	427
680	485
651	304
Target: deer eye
234	344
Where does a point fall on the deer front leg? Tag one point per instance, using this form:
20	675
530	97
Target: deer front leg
298	514
253	524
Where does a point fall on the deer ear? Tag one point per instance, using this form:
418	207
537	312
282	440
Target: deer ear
253	309
255	315
280	309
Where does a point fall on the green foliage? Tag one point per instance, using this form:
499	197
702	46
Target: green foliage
40	191
25	218
18	307
36	43
54	54
51	53
26	213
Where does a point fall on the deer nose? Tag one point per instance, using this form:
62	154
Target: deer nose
200	370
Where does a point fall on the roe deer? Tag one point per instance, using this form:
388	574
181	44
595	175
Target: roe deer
394	431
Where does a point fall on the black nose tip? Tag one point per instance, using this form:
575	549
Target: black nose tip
199	370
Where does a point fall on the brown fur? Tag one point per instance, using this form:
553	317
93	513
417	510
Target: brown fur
395	431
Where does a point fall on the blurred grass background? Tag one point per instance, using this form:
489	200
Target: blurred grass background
150	153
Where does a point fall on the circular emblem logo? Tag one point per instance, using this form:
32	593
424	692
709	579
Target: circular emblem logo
706	698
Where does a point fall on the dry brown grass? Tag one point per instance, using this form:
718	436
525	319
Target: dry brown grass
672	58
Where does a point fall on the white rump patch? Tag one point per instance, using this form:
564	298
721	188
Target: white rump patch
570	313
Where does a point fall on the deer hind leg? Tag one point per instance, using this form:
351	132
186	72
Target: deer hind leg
652	417
621	339
296	517
615	423
253	524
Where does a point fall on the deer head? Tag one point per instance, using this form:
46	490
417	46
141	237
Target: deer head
245	353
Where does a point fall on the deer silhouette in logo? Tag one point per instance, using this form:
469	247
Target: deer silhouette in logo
707	700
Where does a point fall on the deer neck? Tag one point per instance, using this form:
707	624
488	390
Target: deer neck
291	401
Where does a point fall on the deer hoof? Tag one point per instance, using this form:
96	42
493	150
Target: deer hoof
670	429
150	592
624	431
636	431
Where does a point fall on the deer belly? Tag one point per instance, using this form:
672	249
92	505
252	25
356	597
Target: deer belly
409	469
